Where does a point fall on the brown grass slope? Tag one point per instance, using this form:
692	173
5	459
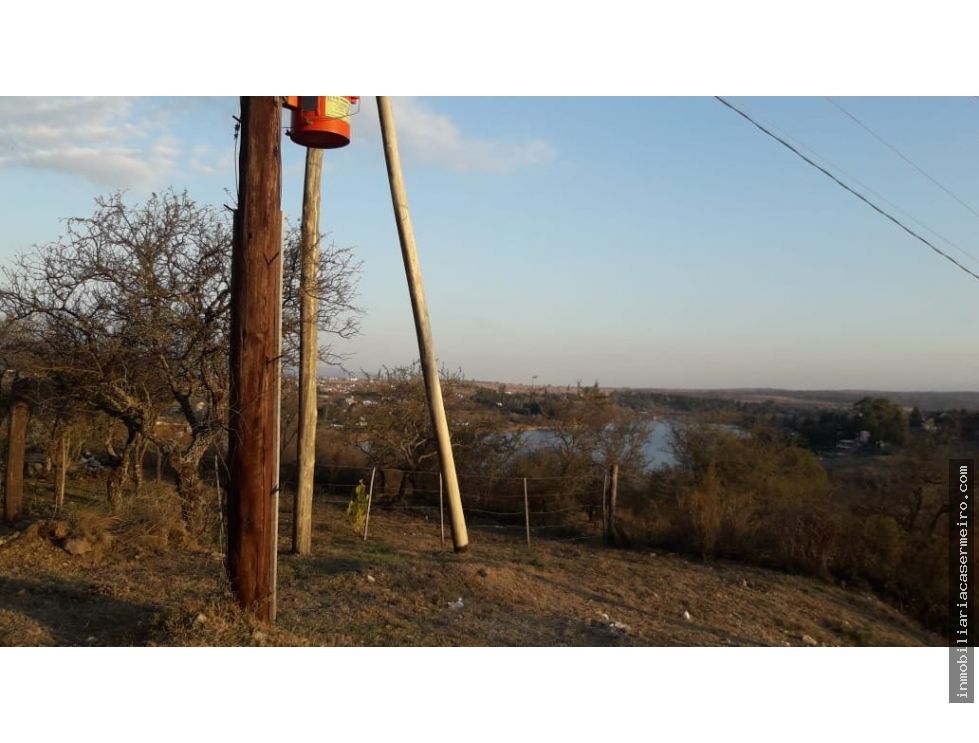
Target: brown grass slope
149	584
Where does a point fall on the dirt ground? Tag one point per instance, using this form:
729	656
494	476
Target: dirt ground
145	582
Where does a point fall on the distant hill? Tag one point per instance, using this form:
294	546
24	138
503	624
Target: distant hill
925	400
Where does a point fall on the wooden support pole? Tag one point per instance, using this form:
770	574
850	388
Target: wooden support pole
370	497
302	522
526	509
423	329
253	441
612	495
13	501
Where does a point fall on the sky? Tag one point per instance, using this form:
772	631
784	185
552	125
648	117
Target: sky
644	242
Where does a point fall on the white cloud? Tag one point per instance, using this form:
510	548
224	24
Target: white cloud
431	137
90	137
123	142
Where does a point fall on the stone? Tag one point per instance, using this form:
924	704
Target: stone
809	641
686	616
370	578
200	619
78	546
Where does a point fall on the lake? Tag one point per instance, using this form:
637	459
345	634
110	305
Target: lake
656	449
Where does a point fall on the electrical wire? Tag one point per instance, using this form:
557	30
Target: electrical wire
901	155
812	152
840	183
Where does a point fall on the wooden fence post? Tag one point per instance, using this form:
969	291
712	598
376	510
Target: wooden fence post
605	507
526	510
13	501
60	471
611	495
370	496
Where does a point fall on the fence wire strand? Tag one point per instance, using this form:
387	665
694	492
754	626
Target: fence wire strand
475	513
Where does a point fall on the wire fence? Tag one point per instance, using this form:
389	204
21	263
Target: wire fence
559	508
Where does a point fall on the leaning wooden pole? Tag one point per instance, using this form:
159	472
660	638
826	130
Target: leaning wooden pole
433	387
302	522
253	440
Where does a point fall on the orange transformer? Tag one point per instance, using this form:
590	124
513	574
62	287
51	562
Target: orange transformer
322	121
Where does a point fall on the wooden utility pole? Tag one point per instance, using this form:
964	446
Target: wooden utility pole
13	490
423	329
253	440
302	522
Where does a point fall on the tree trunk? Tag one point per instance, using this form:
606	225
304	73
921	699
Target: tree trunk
119	476
190	486
110	447
138	454
917	502
190	490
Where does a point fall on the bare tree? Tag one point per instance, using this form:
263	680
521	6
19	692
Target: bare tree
129	312
392	426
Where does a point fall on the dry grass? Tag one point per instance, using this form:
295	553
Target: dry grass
395	589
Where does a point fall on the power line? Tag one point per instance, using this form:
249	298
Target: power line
802	145
840	183
900	154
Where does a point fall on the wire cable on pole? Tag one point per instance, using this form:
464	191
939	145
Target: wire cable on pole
840	183
900	154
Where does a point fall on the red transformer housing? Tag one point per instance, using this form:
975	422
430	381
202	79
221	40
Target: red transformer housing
322	121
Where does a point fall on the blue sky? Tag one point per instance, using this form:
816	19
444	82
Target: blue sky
639	241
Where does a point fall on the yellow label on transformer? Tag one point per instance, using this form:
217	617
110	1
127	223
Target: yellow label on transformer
337	107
